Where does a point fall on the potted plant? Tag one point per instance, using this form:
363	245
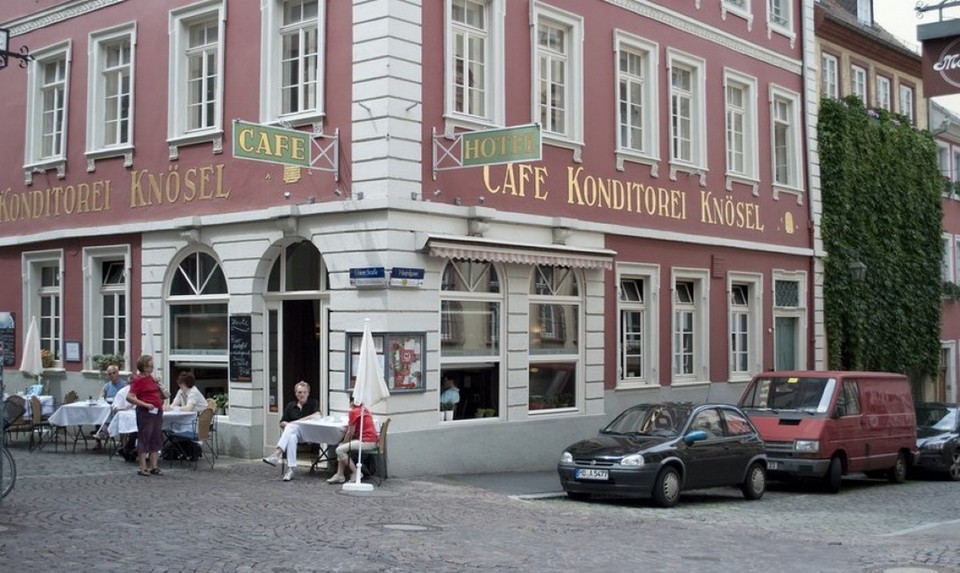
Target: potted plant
446	410
222	401
104	361
46	359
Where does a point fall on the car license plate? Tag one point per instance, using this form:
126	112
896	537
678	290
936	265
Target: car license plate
590	473
773	465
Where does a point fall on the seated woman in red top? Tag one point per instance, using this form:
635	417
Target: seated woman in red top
146	395
367	441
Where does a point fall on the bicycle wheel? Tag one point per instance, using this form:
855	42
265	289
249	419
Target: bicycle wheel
8	472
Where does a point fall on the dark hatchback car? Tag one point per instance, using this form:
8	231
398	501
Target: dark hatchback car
938	438
659	450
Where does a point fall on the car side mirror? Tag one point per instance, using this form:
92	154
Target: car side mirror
695	436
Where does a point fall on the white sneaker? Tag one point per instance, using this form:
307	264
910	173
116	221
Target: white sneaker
335	479
272	459
289	475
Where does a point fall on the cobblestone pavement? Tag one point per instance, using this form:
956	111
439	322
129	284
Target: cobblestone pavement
84	512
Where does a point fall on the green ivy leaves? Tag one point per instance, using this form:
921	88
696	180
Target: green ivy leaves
881	190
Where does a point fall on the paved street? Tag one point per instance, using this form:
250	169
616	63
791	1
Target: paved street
83	512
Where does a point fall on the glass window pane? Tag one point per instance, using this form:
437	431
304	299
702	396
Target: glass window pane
553	385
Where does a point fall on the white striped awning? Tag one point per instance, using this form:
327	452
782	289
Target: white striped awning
481	249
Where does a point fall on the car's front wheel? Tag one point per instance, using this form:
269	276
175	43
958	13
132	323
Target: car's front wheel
834	477
578	495
756	482
666	490
898	473
953	465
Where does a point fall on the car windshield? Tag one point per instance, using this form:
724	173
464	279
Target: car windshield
650	419
809	394
936	417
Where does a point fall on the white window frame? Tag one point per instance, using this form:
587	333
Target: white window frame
785	27
178	133
830	76
955	167
494	15
738	8
865	12
577	358
858	83
32	263
883	93
956	257
754	312
650	275
697	163
93	260
906	103
701	325
648	52
799	312
470	293
97	148
572	134
947	264
943	162
35	159
794	150
748	110
271	70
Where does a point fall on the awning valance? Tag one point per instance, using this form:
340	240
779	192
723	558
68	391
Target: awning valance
481	249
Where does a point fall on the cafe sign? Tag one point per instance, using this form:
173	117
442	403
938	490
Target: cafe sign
271	144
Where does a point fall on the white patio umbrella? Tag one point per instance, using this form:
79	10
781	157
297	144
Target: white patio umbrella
369	389
32	363
147	347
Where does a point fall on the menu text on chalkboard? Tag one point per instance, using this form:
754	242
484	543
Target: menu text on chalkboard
8	338
240	360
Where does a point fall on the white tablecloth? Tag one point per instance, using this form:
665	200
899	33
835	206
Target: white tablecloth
46	406
81	414
326	430
125	422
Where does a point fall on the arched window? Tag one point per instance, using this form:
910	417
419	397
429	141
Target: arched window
298	268
197	305
554	338
470	349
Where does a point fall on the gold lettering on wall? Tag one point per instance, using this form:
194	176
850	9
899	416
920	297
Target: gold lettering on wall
147	188
523	180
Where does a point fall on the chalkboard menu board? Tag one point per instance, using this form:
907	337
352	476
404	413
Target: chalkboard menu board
8	338
240	348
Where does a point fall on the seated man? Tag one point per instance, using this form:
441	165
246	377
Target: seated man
450	396
109	392
128	447
302	408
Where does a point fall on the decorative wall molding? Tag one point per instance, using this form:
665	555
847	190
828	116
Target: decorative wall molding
709	33
57	14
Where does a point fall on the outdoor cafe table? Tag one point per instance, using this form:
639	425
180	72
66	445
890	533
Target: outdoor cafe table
125	422
79	414
327	432
46	406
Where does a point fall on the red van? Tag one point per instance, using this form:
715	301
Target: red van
826	425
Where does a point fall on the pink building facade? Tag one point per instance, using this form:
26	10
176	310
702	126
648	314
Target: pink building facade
663	245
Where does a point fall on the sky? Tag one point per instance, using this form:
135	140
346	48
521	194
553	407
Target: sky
900	18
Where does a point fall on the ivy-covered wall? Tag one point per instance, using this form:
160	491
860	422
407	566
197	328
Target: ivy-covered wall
882	207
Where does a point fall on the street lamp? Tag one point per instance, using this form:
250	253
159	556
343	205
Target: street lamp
858	270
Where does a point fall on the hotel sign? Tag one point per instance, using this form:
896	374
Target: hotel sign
271	144
495	146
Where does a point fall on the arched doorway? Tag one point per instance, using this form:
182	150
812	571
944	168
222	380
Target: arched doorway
295	306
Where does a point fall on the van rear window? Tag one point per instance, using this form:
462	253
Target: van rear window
789	393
